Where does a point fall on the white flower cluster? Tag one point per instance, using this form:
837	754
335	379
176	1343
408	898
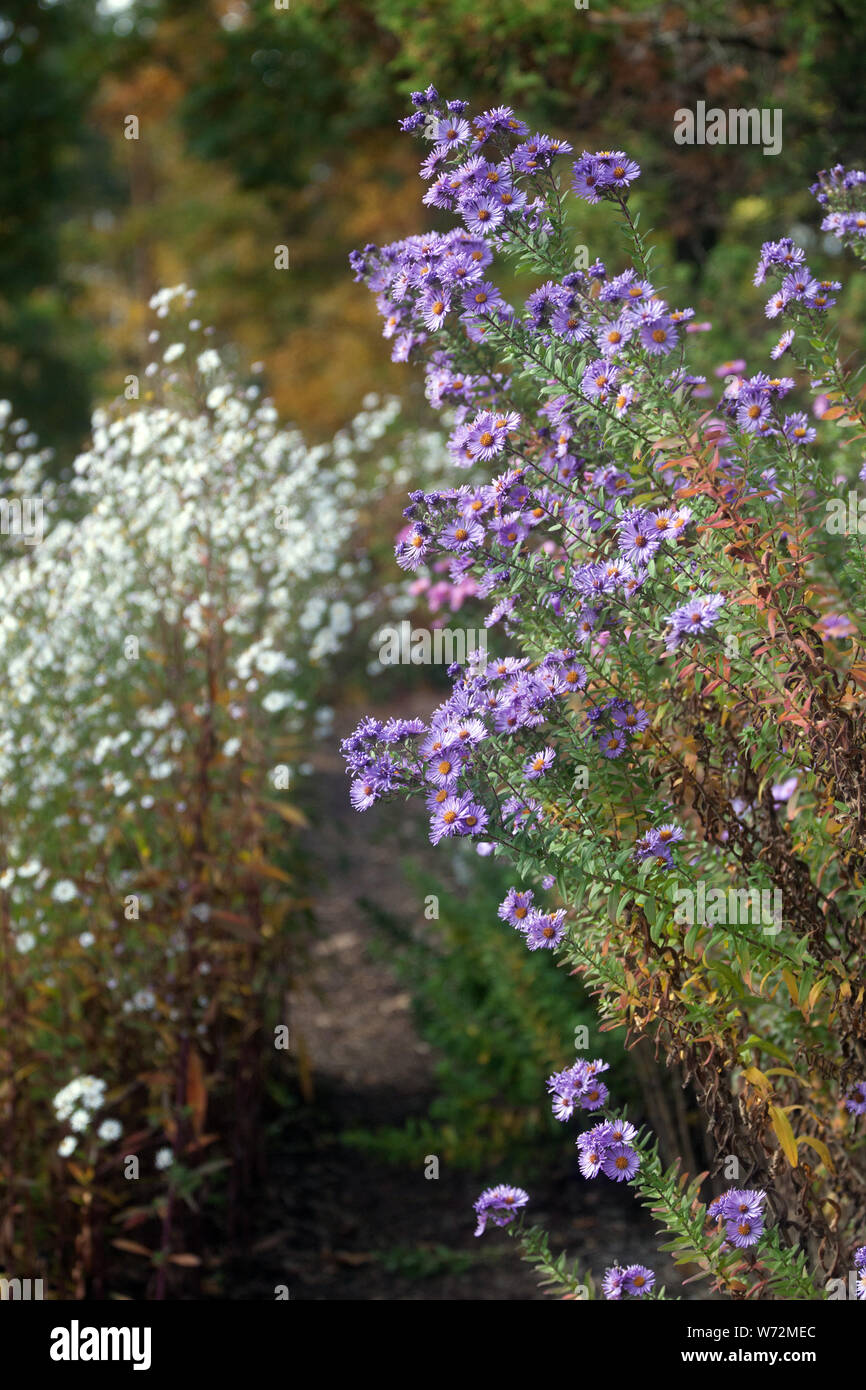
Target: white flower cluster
75	1105
195	530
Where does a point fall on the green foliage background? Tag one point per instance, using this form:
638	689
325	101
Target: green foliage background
500	1019
262	126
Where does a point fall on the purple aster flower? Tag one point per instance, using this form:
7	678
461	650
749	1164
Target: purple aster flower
538	764
599	380
638	537
412	552
775	305
364	793
463	732
481	298
694	618
783	253
435	307
800	287
744	1231
836	625
659	335
500	1204
463	535
637	1280
797	429
500	118
618	170
567	323
520	813
453	132
586	178
447	819
612	1283
620	1131
482	215
545	930
516	907
446	767
620	1162
783	791
735	367
738	1203
590	1158
825	299
631	719
512	529
856	1102
612	337
669	834
753	408
860	1257
612	744
489	433
783	344
649	846
592	1094
597	174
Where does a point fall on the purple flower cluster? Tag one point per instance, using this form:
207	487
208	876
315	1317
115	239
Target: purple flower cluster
694	618
519	539
541	930
578	1088
500	698
634	1281
608	173
842	191
860	1266
607	1148
742	1212
798	286
567	521
500	1205
656	845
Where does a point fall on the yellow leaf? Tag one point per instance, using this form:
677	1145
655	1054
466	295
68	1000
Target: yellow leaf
814	992
259	866
289	813
793	987
784	1134
820	1148
757	1078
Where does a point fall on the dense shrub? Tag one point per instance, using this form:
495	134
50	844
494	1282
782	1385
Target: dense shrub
676	745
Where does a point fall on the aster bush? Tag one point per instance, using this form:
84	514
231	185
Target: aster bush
670	745
164	651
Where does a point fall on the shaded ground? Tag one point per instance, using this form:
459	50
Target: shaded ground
336	1223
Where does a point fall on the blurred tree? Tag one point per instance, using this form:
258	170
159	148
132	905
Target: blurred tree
263	126
50	57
